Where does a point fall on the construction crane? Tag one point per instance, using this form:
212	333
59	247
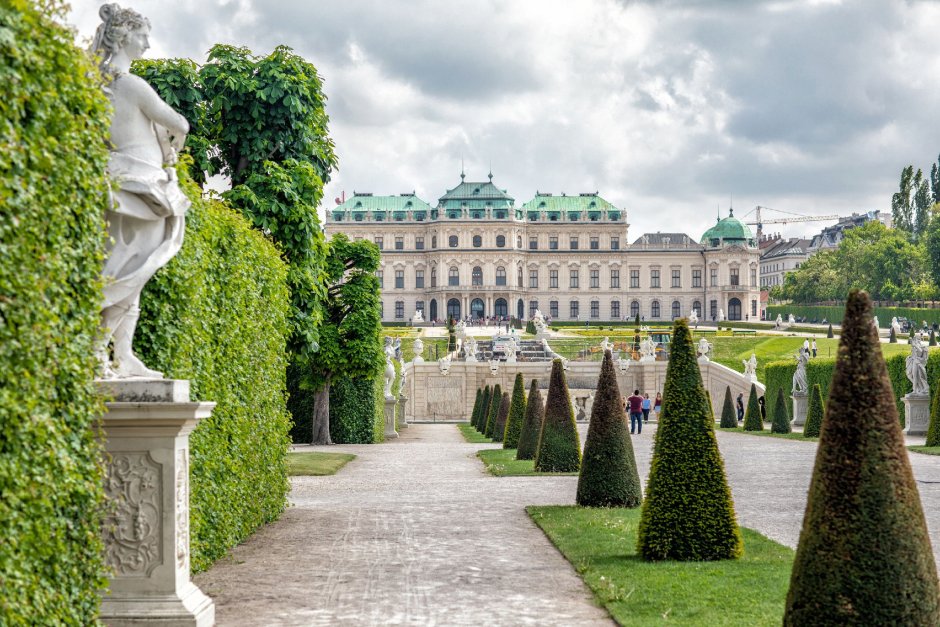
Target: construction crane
797	217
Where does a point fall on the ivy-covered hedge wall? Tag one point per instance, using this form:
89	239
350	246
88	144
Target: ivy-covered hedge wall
352	411
53	193
217	315
779	375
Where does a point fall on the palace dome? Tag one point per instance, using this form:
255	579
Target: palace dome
730	230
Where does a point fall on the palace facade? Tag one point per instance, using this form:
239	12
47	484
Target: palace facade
475	253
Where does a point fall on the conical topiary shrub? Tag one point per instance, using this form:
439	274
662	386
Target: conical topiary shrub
709	407
729	418
476	407
484	410
781	418
686	471
933	338
532	425
500	426
752	418
495	399
559	448
516	414
864	556
829	333
892	336
814	414
933	429
609	477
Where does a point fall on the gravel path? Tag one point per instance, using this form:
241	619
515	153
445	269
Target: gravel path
413	533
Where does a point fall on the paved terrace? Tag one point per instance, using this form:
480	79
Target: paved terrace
413	532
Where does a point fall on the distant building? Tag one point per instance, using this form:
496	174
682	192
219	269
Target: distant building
476	254
831	236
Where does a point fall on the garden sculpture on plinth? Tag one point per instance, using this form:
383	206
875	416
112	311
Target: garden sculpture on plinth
704	348
800	385
389	367
917	367
418	349
750	368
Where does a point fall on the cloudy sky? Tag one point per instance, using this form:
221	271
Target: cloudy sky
666	108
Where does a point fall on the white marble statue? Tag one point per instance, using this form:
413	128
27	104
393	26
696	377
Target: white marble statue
606	344
460	329
647	349
791	319
704	348
400	358
693	317
511	349
800	384
917	367
623	364
779	322
418	317
896	326
418	350
444	365
589	405
494	366
721	315
148	208
470	349
875	323
750	367
389	367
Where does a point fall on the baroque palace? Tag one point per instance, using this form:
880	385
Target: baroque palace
477	254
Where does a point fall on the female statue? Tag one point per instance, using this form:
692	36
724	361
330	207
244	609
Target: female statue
146	219
917	367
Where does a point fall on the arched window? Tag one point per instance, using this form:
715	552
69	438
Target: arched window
434	241
519	277
676	310
500	241
634	308
452	241
697	308
654	309
477	241
453	276
615	310
500	276
476	278
518	241
433	277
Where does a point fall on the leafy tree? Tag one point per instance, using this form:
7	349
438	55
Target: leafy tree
752	419
532	426
921	203
686	468
608	476
491	415
516	414
729	417
864	555
502	415
781	417
559	448
814	414
935	182
901	209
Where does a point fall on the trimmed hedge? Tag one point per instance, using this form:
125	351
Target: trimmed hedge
781	417
559	448
217	315
834	313
476	408
688	514
502	415
53	193
352	410
753	421
532	425
864	554
814	414
729	417
491	416
484	411
516	414
608	476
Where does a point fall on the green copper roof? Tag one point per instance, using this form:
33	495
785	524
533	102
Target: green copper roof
368	202
475	196
728	229
582	202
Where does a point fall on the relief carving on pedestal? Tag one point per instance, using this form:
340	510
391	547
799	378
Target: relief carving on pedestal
133	526
182	509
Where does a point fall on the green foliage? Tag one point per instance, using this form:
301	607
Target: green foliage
474	415
484	412
609	477
217	315
378	393
780	421
753	421
814	414
864	555
933	429
53	193
729	417
892	336
502	415
516	414
530	327
834	313
829	333
532	425
491	415
933	338
559	448
686	472
352	410
708	405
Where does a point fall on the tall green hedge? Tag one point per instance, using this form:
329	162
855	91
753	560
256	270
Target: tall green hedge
834	313
53	193
352	411
217	315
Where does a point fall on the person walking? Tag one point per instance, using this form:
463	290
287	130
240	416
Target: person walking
740	404
647	405
761	403
806	345
658	404
635	403
814	347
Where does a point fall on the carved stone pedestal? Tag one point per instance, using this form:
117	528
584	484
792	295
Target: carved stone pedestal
916	414
390	433
403	402
800	408
146	530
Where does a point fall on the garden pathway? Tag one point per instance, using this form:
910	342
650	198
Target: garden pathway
413	533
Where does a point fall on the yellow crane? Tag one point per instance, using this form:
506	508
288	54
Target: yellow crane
796	217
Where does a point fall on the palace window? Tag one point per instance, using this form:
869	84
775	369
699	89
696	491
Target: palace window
615	243
477	241
553	278
714	278
754	276
399	279
654	278
419	242
595	242
753	308
615	310
380	275
615	279
573	242
419	278
452	241
735	278
476	277
595	309
434	241
519	277
500	241
433	277
677	278
574	309
713	309
634	308
634	278
533	278
533	305
378	242
453	276
696	278
553	242
654	309
676	310
399	309
533	243
399	243
553	308
573	279
419	306
595	277
500	276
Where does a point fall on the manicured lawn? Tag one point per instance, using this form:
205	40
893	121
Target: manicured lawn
502	462
768	434
316	464
601	545
471	435
926	450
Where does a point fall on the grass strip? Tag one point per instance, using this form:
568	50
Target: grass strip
767	434
926	450
502	462
316	464
471	435
600	543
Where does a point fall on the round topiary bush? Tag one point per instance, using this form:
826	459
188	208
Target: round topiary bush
686	471
729	418
864	555
814	414
752	418
516	414
532	425
559	448
499	427
491	414
608	477
781	418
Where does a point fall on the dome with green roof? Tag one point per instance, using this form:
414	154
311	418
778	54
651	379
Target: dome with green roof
729	230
